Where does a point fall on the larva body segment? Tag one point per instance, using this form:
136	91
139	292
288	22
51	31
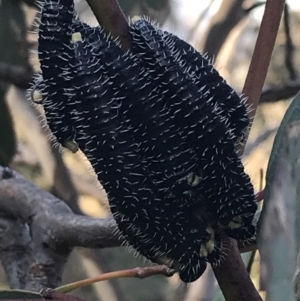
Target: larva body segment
219	95
55	51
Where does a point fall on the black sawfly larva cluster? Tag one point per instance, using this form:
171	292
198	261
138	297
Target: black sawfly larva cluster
160	127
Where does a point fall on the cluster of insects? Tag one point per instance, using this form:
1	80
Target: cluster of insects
161	128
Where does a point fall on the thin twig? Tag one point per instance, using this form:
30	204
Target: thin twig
260	196
230	13
138	272
289	45
277	93
254	6
233	277
247	247
110	16
262	53
251	261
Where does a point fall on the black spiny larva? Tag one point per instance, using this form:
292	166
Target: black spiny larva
134	192
231	109
159	148
224	188
55	51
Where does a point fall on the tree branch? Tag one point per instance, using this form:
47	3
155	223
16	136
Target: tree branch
287	91
230	13
37	260
17	75
289	46
254	6
53	228
238	285
110	16
52	219
15	251
262	53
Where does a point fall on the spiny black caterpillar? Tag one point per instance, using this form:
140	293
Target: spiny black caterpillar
159	130
231	109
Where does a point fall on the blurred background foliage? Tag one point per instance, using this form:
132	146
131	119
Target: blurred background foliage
227	30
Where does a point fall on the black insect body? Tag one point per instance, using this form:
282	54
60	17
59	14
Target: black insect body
124	161
162	151
55	51
231	109
217	161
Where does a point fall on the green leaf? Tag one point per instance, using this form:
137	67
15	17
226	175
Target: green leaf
291	115
218	295
279	226
278	236
19	294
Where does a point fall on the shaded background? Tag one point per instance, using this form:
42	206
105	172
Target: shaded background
224	29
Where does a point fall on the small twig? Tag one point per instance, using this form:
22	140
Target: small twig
138	272
228	16
233	277
247	247
254	6
260	196
262	53
110	16
276	93
289	45
251	261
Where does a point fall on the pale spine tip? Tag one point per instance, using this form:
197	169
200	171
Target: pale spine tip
37	96
76	37
135	19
